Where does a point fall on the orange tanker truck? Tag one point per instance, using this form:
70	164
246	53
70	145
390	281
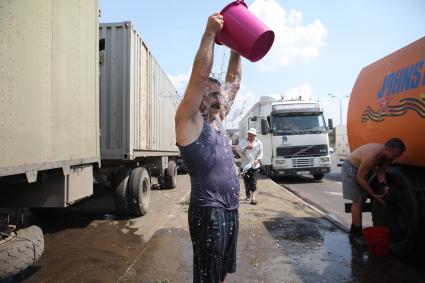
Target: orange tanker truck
388	100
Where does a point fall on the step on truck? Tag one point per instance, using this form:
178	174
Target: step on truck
80	103
294	136
388	100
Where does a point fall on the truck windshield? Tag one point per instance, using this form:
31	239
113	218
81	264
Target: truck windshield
298	124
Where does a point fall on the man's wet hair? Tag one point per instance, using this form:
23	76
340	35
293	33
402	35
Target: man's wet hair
215	81
396	143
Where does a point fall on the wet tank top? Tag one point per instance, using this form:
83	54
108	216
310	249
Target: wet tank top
210	164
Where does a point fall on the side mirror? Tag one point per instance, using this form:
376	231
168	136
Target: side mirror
330	123
265	128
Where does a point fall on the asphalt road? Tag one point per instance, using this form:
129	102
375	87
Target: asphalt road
282	239
325	194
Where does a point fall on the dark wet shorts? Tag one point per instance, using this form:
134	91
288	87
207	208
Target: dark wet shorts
214	234
250	180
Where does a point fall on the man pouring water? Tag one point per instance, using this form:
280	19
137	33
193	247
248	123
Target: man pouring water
214	198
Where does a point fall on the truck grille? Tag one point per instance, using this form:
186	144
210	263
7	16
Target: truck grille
299	151
303	162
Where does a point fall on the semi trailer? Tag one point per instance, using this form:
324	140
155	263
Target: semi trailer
342	147
80	103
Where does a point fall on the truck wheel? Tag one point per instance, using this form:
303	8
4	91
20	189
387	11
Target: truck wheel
268	171
46	212
181	167
170	175
20	250
140	191
420	185
318	177
121	193
401	215
376	209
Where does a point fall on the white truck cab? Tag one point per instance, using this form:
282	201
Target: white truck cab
294	136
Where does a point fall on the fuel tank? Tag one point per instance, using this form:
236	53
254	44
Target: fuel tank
388	100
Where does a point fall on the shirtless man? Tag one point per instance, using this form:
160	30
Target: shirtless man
356	169
214	197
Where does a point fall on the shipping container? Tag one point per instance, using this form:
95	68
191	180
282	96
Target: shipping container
49	100
49	86
49	116
137	99
56	129
342	147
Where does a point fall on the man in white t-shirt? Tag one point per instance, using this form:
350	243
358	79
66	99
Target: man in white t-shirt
251	151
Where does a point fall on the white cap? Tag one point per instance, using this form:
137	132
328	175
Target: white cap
252	131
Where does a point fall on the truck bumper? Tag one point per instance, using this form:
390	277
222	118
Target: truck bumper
300	171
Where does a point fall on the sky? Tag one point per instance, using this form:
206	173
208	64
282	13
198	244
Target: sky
319	48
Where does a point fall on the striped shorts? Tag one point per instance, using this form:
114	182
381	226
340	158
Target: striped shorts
351	190
214	234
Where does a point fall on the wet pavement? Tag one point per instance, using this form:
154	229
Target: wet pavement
325	195
85	249
280	240
89	243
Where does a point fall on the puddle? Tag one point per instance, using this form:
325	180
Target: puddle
318	252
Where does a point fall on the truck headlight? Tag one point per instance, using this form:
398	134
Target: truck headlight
280	162
324	159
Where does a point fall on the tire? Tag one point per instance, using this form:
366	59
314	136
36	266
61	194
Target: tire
181	167
268	171
420	183
318	177
376	209
139	191
401	215
46	212
121	192
20	250
170	175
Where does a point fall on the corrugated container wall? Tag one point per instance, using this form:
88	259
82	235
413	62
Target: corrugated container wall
137	99
48	84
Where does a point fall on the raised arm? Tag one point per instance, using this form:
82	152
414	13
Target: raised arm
202	65
233	78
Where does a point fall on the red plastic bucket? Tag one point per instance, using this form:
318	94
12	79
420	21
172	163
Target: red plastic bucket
244	32
377	240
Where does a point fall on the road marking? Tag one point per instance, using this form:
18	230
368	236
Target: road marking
333	193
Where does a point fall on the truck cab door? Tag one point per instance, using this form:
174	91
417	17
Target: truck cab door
266	138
